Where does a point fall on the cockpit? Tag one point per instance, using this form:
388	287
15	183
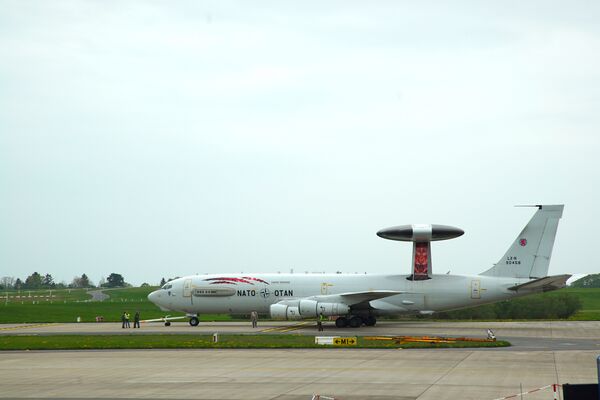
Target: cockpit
167	286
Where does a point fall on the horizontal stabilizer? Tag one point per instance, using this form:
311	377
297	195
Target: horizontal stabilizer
544	284
352	298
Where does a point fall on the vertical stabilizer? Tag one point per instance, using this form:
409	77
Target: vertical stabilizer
529	255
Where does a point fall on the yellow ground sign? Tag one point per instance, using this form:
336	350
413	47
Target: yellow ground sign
345	341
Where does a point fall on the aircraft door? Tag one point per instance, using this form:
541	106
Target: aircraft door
325	288
187	288
475	289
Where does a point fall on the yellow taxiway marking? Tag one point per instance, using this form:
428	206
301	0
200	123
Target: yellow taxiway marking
287	328
12	328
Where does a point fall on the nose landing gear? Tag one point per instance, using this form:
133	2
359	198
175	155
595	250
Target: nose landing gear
194	321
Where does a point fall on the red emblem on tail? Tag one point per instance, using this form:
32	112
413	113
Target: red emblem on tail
523	242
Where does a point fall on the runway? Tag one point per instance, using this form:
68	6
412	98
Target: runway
544	353
290	374
524	336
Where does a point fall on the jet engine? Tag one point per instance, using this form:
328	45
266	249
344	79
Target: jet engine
284	312
312	308
307	309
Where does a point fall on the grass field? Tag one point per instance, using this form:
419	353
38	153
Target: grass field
46	312
86	342
73	303
590	299
28	296
591	303
137	294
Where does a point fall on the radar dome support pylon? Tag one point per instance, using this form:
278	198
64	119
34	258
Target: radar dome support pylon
421	235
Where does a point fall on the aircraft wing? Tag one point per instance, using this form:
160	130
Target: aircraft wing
352	298
544	284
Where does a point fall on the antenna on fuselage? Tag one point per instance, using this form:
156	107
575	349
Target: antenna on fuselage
421	235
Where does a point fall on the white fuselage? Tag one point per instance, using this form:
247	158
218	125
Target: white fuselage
243	293
357	299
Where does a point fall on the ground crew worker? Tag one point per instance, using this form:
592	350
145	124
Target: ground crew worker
254	318
123	320
320	322
127	325
136	320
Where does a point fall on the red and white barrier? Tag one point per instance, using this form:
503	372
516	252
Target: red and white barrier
554	387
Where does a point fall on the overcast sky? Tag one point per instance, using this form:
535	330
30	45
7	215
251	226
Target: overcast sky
159	139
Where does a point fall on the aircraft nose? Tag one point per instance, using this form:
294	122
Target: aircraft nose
153	297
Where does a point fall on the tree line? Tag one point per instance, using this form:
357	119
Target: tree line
558	305
589	281
46	281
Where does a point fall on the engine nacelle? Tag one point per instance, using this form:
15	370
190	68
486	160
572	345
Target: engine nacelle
284	312
312	308
307	309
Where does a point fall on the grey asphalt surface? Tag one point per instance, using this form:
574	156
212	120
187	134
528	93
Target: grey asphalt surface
290	374
543	353
524	336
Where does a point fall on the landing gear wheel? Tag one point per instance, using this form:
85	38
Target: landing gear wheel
341	322
370	321
167	323
194	321
355	322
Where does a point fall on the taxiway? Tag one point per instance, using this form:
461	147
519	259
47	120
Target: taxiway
544	353
524	336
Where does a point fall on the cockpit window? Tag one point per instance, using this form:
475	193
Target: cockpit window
167	286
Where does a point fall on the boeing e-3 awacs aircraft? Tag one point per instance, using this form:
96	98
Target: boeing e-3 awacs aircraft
357	299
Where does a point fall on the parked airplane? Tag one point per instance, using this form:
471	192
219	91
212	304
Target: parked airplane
357	299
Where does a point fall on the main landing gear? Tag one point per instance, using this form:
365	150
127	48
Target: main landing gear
194	321
355	321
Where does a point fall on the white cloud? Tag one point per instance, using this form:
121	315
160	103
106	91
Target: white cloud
221	136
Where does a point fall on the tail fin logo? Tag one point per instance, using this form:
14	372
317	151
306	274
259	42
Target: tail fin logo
523	242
